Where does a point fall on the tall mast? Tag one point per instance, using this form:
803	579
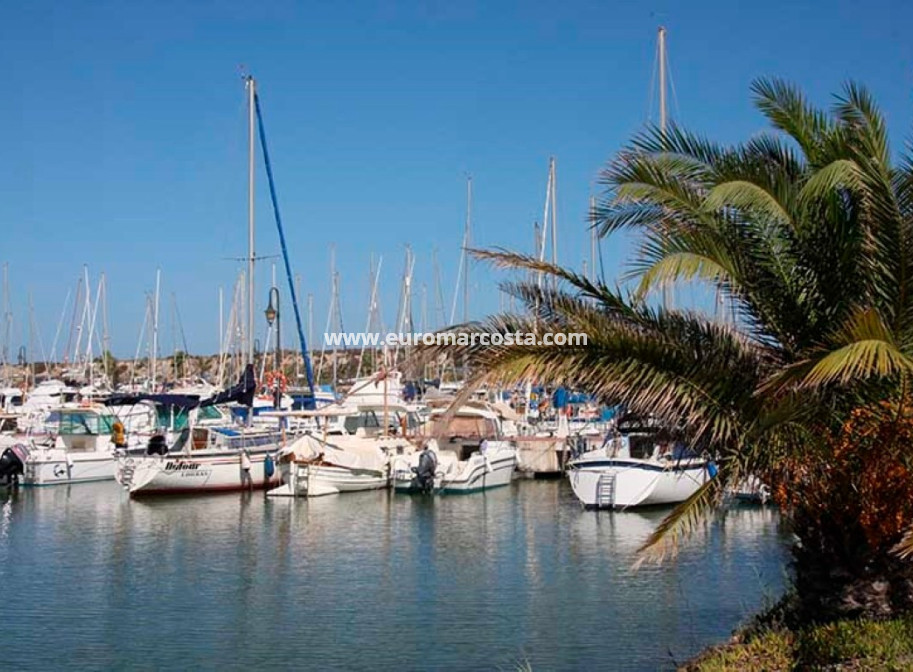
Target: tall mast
7	318
661	47
593	237
466	242
554	178
155	326
251	253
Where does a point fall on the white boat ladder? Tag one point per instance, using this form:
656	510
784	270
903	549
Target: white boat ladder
605	491
126	474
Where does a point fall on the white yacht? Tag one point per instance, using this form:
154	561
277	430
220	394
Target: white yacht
637	467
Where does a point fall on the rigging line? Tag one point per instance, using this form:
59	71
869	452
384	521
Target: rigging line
672	86
309	371
651	92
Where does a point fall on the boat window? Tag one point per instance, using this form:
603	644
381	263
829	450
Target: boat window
16	401
200	438
85	423
209	413
367	420
170	417
641	445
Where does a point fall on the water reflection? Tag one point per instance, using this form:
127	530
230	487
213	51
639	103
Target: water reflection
367	580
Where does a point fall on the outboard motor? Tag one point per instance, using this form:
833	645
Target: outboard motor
12	463
424	472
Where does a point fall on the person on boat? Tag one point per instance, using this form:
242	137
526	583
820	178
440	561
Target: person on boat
427	466
118	435
246	480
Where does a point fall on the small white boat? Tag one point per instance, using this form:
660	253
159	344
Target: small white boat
479	471
472	454
350	450
635	469
314	467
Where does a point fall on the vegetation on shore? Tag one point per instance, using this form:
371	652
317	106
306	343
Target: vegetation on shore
860	644
805	237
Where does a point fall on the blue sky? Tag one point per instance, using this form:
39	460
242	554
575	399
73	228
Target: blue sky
125	148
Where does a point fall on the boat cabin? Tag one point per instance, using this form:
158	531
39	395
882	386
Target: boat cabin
466	430
84	428
11	399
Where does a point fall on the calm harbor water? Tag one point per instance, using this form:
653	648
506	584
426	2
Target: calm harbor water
371	580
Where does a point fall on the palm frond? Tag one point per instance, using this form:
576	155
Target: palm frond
904	548
745	195
682	522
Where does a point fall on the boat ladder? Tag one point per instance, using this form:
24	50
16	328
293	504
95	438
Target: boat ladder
126	475
605	491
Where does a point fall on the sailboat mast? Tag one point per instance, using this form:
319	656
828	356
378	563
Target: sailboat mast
155	327
592	237
661	46
251	254
466	242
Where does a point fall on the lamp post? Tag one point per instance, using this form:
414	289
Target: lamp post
272	315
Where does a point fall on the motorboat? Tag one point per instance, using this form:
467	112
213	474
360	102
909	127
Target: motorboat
470	451
80	450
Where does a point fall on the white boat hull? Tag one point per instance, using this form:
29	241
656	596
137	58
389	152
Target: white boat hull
622	483
181	474
317	480
479	472
57	467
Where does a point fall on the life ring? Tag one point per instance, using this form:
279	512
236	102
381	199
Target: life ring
276	377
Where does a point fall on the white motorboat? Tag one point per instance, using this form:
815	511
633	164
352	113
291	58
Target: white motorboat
479	471
636	468
80	451
472	454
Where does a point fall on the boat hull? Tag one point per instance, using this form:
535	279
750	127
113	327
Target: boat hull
183	474
626	483
57	467
317	480
476	474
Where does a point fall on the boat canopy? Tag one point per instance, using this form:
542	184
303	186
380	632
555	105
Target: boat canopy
241	392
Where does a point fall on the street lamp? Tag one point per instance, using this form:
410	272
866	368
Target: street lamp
272	315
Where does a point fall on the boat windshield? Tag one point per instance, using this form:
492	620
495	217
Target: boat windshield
75	422
176	418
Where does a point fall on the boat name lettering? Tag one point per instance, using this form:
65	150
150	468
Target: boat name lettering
181	466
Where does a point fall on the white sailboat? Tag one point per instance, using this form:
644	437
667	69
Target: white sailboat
214	458
637	467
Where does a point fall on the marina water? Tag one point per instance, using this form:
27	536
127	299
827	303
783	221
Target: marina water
513	577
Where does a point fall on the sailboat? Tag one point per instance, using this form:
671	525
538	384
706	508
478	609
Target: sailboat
642	465
226	457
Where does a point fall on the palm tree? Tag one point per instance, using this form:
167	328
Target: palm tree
806	234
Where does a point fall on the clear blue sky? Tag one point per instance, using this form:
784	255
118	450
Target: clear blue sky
124	131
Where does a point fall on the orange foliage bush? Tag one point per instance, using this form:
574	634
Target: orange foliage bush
861	478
